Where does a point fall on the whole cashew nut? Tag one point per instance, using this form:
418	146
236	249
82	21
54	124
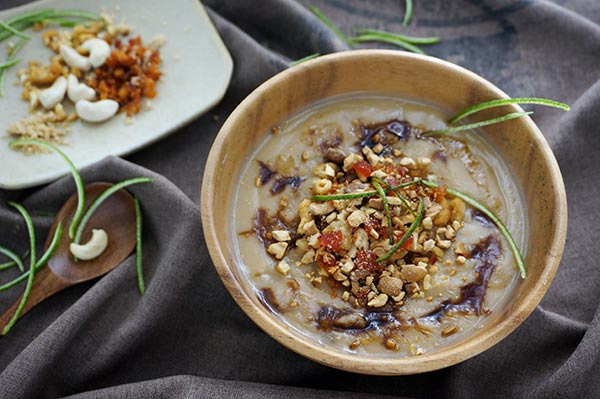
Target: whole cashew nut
54	94
93	248
96	112
79	91
99	51
74	59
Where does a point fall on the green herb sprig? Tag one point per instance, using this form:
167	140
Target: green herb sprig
41	262
408	233
80	219
329	24
14	31
404	38
15	260
476	125
407	12
307	58
372	35
103	197
74	172
363	194
12	263
138	246
26	20
32	263
491	104
508	101
395	191
419	216
11	58
386	207
8	64
483	209
386	39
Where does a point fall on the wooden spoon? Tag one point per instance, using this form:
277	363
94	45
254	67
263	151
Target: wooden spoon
116	216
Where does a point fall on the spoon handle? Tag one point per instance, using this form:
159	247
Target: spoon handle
45	285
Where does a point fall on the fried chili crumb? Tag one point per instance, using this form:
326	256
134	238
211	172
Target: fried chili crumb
130	73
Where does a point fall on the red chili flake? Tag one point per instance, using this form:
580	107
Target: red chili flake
408	244
331	241
362	169
370	225
433	259
365	260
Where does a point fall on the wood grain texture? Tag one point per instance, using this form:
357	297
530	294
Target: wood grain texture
116	216
426	79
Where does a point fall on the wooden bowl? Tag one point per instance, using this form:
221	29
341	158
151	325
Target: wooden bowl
519	142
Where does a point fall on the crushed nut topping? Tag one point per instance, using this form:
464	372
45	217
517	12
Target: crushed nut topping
347	232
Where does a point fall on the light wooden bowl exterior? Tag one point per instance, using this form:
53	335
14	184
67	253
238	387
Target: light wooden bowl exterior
398	73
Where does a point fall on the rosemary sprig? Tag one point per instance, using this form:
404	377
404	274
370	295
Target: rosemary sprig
386	39
74	172
329	24
498	103
307	58
483	209
14	257
8	64
28	19
61	22
408	233
348	196
14	31
101	198
476	125
138	246
395	191
407	12
12	263
404	38
32	263
41	262
373	35
11	57
386	208
363	194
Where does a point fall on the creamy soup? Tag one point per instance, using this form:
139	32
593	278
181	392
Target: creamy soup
342	240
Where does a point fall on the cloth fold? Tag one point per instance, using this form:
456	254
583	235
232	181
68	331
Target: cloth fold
186	337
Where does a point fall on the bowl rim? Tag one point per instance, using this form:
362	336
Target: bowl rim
373	364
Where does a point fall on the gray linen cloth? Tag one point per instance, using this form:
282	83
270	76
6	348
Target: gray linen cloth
187	338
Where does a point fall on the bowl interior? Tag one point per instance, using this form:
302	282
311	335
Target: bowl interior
430	80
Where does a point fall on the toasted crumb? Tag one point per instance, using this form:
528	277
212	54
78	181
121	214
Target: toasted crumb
158	41
283	267
281	235
45	125
277	249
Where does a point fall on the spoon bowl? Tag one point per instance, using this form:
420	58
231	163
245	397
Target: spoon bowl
116	216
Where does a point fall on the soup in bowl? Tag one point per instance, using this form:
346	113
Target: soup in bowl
346	231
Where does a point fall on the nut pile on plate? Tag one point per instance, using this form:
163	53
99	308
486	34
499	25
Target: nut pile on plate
96	68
